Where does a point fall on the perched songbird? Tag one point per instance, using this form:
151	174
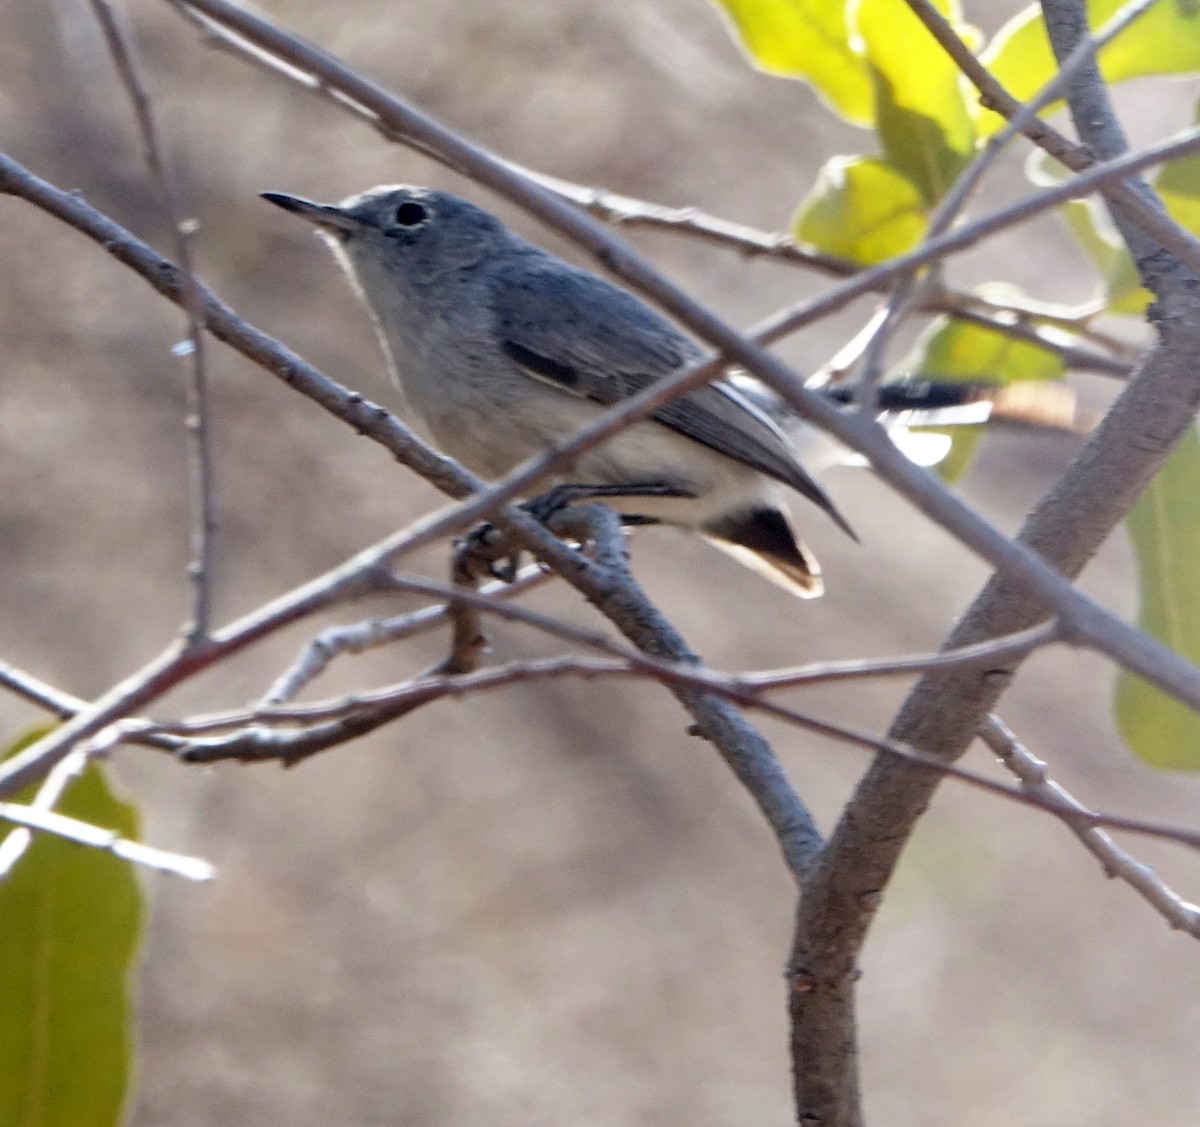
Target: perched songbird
501	351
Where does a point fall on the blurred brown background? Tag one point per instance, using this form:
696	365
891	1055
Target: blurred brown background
550	905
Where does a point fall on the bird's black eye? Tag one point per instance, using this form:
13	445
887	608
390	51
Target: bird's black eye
410	214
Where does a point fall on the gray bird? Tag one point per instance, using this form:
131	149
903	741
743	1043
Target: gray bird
502	350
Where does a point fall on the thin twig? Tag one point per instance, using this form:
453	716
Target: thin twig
31	818
1031	771
199	411
253	736
1122	196
904	297
14	845
1079	614
1081	359
745	688
358	637
39	692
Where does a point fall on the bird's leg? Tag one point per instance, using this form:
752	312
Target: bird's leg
490	551
487	550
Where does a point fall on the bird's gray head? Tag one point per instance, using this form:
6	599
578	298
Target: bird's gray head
402	235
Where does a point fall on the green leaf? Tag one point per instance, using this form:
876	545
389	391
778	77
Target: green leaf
70	923
957	350
1165	40
924	120
1164	527
863	209
809	40
964	445
1179	185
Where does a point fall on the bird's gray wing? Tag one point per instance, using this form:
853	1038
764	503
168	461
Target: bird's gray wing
587	337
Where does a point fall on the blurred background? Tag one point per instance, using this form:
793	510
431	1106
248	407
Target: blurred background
547	905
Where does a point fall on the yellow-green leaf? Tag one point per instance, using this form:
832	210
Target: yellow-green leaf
1164	527
1165	40
964	445
957	350
924	119
809	40
1179	185
70	923
862	209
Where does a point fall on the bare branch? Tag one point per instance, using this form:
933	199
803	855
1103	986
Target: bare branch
1072	356
1122	196
905	296
1082	616
983	655
37	691
747	687
14	845
358	637
1116	862
32	818
198	421
1092	112
268	732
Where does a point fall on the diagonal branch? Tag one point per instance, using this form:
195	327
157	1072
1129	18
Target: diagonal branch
1089	622
1116	862
605	582
622	210
1130	203
944	710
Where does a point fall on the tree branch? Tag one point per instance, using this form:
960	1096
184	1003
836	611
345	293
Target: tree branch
944	710
197	422
609	587
358	637
1124	198
1081	615
1118	864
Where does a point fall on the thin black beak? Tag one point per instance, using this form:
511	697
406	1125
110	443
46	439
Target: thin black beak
322	214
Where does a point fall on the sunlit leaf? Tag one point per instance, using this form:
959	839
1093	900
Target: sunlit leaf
964	445
1178	183
809	40
70	922
1165	40
923	118
958	350
862	209
1164	527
